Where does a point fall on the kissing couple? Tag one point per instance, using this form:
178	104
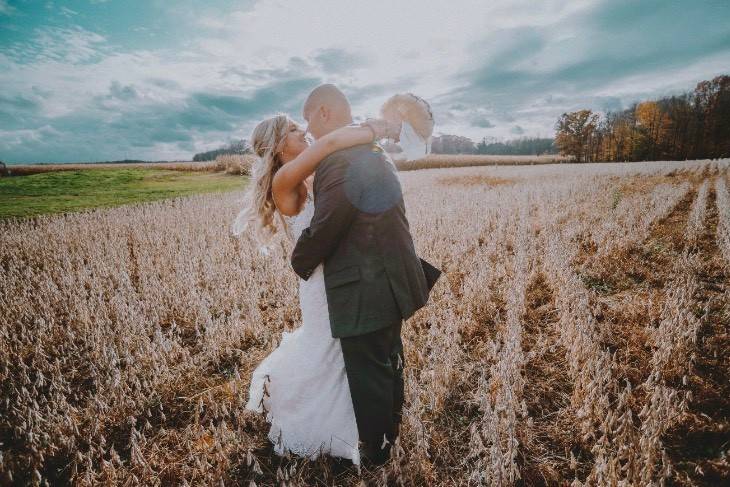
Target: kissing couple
334	385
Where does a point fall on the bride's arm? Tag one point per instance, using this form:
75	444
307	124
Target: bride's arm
287	181
288	187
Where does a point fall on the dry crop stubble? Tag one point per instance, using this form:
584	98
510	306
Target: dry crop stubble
128	335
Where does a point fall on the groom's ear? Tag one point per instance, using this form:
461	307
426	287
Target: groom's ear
323	112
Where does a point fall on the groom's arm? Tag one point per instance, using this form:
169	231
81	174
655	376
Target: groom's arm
333	213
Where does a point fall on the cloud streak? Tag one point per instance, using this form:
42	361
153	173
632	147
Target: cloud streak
113	80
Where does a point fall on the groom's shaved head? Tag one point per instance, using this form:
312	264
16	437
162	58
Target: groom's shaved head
326	109
328	95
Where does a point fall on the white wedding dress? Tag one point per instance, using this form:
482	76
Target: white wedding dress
302	384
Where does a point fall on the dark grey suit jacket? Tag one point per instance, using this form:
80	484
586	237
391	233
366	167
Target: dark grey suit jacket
373	277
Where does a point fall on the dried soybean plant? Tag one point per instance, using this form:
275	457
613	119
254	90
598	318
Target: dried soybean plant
494	438
696	221
722	200
128	335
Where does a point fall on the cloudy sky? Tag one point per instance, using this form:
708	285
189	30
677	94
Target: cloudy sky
88	80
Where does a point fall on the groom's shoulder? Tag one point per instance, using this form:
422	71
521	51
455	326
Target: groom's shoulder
361	154
350	156
359	163
354	152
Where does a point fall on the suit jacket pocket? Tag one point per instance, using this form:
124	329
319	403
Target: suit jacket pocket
342	276
343	300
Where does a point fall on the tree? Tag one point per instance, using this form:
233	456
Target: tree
517	147
679	114
236	147
452	144
694	125
574	133
712	99
655	126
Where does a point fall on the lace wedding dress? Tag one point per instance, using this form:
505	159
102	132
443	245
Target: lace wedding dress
302	384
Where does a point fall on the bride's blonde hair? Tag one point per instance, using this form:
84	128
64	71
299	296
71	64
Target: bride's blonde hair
259	211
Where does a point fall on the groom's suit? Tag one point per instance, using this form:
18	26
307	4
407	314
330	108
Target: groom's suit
373	280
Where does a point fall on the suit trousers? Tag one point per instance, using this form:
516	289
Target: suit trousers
374	365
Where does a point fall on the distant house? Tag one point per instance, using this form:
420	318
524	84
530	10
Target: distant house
3	169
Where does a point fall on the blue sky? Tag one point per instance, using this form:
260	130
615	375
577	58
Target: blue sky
91	80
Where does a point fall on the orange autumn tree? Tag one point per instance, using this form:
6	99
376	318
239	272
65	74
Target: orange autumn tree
654	126
574	133
691	125
619	137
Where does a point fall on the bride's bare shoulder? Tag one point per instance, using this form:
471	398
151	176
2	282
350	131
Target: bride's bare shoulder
291	203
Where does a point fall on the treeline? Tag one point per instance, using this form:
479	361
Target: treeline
236	147
125	161
523	146
694	125
452	144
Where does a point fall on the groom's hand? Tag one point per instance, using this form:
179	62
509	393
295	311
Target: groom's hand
383	128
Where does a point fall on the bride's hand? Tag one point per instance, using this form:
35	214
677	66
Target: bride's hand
383	128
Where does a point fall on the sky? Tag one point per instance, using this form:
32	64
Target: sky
91	80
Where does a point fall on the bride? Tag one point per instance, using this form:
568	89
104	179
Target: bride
301	386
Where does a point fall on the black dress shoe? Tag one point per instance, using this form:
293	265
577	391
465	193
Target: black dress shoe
375	461
341	466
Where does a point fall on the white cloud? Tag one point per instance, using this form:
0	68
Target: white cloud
6	9
416	46
69	45
372	49
669	80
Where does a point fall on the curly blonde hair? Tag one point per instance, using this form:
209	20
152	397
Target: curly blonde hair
259	210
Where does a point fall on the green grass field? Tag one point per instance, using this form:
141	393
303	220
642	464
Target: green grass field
62	191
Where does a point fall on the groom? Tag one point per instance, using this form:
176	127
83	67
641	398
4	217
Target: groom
373	278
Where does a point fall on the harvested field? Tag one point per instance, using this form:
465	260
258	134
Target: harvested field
578	336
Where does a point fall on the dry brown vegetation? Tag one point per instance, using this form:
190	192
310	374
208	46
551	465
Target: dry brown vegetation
241	164
231	164
473	180
433	161
26	169
578	336
237	164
